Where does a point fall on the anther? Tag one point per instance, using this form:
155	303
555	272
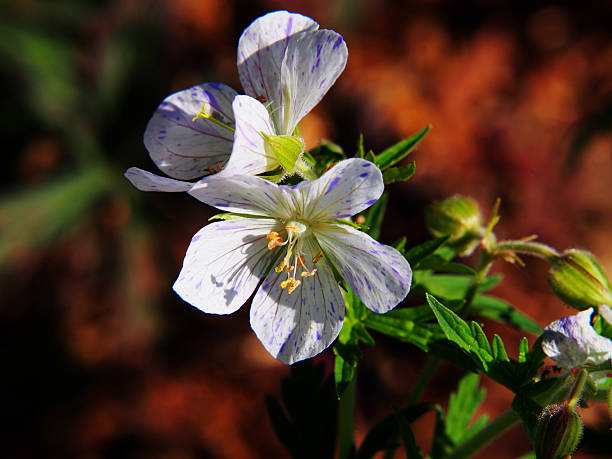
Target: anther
312	272
281	267
295	284
274	240
317	257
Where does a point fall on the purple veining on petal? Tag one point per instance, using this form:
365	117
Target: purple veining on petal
221	204
343	215
365	174
332	184
371	201
163	131
289	26
195	238
338	42
319	48
366	165
318	335
211	99
322	82
161	137
226	228
270	197
215	85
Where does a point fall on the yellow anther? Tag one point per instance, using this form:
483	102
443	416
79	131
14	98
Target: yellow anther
282	265
360	219
317	257
274	240
312	272
290	268
293	228
295	284
287	283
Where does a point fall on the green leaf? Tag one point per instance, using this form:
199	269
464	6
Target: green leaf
399	174
462	406
396	326
384	435
400	150
375	215
435	262
457	330
324	156
285	148
497	309
411	449
499	350
441	444
420	252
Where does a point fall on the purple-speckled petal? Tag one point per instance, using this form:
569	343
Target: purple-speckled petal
261	50
146	181
572	341
185	148
342	191
300	325
312	64
224	263
248	153
378	274
244	194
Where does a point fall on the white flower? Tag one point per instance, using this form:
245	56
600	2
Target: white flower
284	61
573	342
289	238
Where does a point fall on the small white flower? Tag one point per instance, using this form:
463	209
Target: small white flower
284	62
289	239
573	342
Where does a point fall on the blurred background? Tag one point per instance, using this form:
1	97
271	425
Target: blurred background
102	360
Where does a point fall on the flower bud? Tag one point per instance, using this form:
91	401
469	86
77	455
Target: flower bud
577	278
558	432
457	217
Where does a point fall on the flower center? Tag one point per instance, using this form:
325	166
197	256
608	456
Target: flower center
293	261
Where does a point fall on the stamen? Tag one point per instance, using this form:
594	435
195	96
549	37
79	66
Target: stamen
312	272
295	284
281	267
274	240
293	228
317	257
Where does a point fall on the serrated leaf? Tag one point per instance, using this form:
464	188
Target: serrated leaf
385	434
457	330
400	150
462	406
399	174
523	350
497	309
441	444
481	339
499	351
420	252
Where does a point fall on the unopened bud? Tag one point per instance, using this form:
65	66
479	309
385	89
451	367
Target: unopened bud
457	217
558	432
577	278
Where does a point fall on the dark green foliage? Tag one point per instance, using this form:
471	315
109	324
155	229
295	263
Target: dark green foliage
307	426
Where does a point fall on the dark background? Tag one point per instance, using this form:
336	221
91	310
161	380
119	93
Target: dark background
102	360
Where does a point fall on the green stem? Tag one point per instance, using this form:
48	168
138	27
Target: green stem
346	421
529	248
426	375
576	392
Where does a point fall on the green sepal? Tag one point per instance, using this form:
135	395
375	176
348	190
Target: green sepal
400	150
287	149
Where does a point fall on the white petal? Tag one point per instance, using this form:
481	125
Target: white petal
184	148
301	325
261	50
347	188
572	341
245	194
146	181
224	263
312	64
378	274
249	153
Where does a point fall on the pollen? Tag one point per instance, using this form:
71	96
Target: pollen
274	240
312	272
317	257
281	266
290	284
